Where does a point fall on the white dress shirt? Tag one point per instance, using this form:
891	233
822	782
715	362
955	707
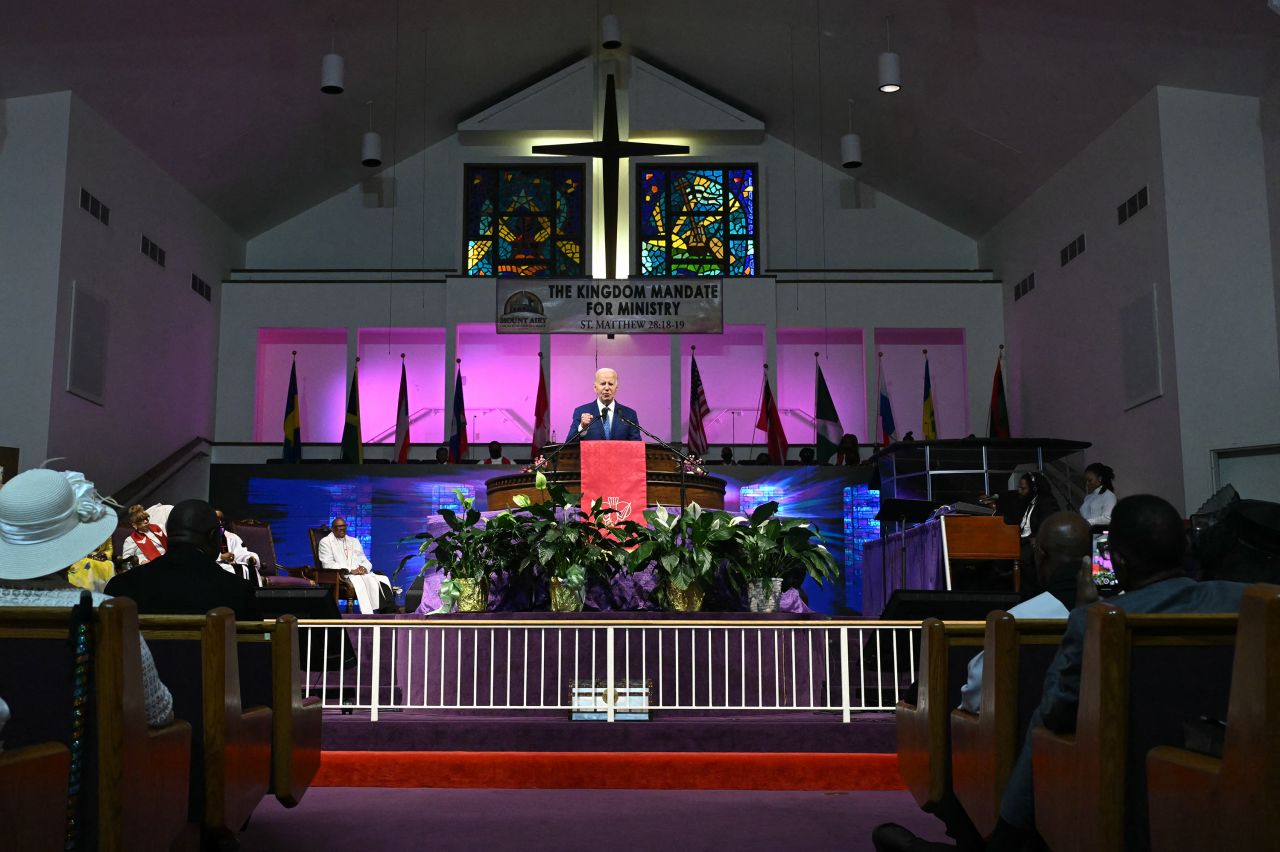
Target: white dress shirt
1097	506
131	549
241	556
1043	605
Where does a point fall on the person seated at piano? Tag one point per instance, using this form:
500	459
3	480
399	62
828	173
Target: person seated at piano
726	455
442	455
604	418
147	542
848	453
341	552
807	456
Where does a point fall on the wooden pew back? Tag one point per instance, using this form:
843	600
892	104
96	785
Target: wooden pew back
924	738
134	779
271	674
231	764
1201	802
32	809
1016	654
1142	677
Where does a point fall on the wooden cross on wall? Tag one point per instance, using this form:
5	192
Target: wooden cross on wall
609	151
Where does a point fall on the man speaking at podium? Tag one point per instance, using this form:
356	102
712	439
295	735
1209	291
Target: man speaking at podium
604	418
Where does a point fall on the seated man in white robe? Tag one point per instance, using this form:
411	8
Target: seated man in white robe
344	553
235	557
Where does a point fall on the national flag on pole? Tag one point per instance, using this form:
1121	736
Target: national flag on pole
930	420
458	437
352	448
698	411
888	432
292	449
401	455
541	416
770	422
828	421
998	412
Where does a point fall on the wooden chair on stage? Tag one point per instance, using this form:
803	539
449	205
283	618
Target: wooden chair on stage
330	577
1142	678
1200	802
34	781
924	734
134	778
198	659
258	538
271	675
985	745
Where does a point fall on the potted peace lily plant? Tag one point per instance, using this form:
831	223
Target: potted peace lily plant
468	554
768	548
567	545
685	550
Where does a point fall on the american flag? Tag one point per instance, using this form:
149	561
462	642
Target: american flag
698	409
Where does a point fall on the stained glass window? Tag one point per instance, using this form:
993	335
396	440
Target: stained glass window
525	220
698	220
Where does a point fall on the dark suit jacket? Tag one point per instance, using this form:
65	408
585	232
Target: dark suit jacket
621	430
185	581
1061	697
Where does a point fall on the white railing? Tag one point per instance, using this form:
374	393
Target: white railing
609	667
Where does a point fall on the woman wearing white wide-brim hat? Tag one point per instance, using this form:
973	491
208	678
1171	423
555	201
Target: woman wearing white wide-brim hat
48	520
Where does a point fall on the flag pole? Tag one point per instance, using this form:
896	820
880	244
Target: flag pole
815	401
693	353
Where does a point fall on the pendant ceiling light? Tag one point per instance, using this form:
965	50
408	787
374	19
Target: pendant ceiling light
610	33
851	146
890	68
331	74
371	147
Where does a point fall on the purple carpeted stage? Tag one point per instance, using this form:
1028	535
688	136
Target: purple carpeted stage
418	730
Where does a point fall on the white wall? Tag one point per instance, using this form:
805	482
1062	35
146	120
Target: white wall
161	367
348	231
33	153
1063	338
1223	290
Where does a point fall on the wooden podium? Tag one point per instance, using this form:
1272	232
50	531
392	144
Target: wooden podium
662	473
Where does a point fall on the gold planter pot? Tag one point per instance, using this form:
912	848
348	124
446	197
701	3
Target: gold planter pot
473	595
686	600
564	598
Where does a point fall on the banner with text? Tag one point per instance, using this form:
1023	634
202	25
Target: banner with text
599	306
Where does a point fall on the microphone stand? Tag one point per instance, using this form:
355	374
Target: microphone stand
554	459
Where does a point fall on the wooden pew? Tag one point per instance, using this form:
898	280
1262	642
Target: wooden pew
34	781
271	674
231	759
924	740
134	778
1142	677
1199	802
985	745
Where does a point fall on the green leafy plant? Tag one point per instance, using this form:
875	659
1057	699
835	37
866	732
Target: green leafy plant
560	541
469	550
684	548
767	546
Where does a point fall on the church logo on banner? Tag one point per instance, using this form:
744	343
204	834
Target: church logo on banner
608	306
621	511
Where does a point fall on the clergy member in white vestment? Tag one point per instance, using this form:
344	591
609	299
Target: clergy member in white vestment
236	558
345	553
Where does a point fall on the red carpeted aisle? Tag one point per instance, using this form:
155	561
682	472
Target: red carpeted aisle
610	770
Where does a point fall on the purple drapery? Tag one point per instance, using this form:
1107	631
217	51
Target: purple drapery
882	565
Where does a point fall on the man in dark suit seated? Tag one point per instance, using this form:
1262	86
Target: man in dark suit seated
187	579
1148	542
605	419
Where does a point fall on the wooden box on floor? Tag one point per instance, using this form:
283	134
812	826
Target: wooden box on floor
198	659
134	777
985	745
924	736
1199	802
271	674
1142	678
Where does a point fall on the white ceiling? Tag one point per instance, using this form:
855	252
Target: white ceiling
998	94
